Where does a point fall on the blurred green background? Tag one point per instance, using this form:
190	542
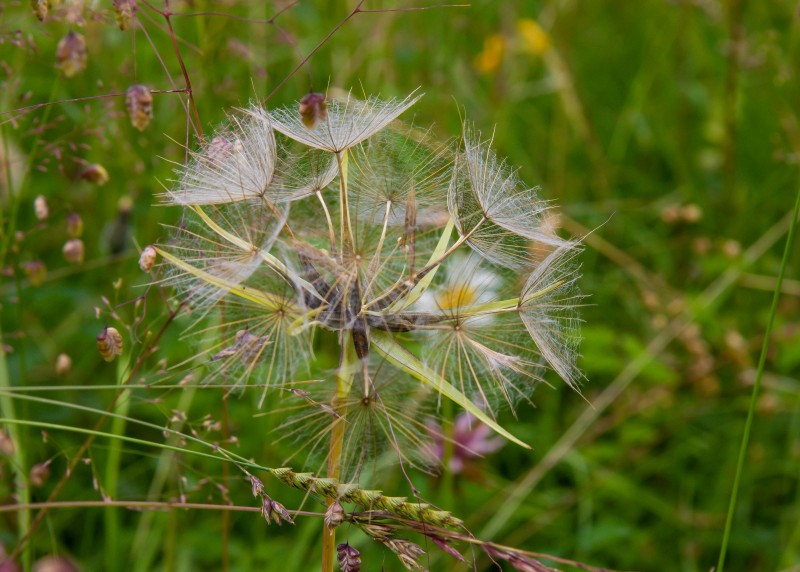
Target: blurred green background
665	131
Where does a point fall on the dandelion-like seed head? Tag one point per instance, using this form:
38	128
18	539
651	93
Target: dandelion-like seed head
432	265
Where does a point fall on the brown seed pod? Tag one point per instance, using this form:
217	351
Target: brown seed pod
123	12
74	225
40	208
73	251
139	103
40	8
109	343
147	258
313	109
96	174
71	54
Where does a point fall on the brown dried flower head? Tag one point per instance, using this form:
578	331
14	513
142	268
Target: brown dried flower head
139	103
73	251
109	343
39	474
71	54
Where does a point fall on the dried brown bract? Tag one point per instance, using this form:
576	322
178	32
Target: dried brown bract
313	109
109	343
71	54
139	103
349	558
334	515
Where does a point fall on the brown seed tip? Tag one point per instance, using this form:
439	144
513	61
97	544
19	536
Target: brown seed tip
313	109
147	258
109	343
40	208
73	251
96	174
74	225
63	364
123	12
139	103
71	54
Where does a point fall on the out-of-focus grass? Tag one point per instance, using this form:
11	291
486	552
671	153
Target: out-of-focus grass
668	129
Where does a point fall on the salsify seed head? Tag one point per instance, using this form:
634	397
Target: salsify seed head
431	264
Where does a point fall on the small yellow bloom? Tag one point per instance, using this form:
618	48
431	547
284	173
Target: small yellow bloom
492	55
534	39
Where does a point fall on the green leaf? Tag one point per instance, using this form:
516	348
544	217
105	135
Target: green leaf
269	301
385	344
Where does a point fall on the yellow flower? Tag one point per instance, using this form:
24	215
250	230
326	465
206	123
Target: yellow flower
489	59
534	39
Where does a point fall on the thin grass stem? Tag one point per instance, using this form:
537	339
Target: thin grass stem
756	386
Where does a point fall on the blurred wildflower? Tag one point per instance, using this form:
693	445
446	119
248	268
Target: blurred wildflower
39	474
40	208
71	54
63	364
74	225
139	104
313	109
124	11
95	174
109	343
534	39
471	440
490	58
434	266
73	251
36	272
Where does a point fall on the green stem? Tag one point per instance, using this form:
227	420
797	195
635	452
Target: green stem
18	457
756	386
111	481
348	365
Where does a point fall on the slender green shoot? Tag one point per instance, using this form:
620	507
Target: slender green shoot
756	386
